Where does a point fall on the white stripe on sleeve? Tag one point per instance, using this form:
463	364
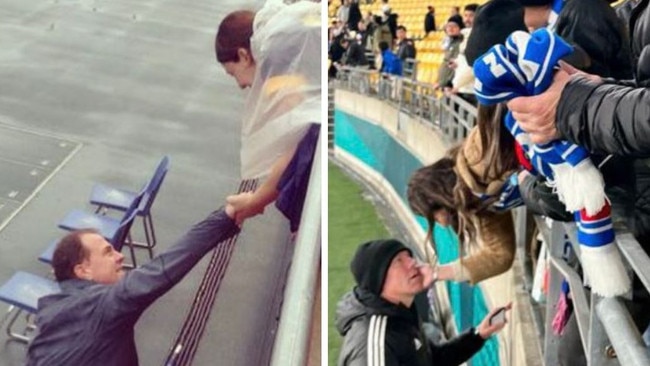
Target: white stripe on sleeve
376	340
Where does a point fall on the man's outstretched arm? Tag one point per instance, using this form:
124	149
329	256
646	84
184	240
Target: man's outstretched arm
143	285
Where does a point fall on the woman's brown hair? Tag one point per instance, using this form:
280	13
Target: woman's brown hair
430	189
235	32
437	186
69	252
498	155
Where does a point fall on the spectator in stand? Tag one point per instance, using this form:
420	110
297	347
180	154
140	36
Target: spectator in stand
392	23
333	32
385	8
456	17
335	54
390	63
455	38
430	20
381	32
363	34
405	46
354	16
369	18
463	81
343	13
355	55
469	12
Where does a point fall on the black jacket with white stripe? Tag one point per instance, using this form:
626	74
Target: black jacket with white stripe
377	332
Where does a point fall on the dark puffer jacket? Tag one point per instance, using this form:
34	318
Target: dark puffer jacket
361	316
594	27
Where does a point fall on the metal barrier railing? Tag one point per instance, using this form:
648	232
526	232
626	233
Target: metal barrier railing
292	340
604	324
453	115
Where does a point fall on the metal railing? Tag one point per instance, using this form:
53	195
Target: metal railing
292	340
608	334
453	115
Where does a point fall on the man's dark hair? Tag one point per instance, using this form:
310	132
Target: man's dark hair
234	32
471	7
68	253
383	46
401	27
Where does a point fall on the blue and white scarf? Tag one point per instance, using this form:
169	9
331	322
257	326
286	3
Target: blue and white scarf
524	66
556	8
509	195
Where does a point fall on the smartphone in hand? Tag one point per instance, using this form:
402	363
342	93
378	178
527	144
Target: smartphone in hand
498	317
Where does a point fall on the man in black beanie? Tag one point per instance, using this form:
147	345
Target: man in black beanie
381	325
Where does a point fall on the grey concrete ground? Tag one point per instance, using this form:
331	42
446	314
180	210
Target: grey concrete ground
99	91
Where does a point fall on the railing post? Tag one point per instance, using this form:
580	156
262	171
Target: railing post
292	338
629	346
556	249
597	337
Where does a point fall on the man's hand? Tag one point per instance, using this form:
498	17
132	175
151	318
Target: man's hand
485	330
230	210
537	114
244	205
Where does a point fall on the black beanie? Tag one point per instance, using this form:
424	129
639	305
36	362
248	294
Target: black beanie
371	261
494	22
456	19
535	2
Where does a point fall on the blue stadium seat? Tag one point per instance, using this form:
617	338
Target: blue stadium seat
22	292
107	197
46	256
116	231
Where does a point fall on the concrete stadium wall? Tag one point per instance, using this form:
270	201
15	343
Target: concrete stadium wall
384	146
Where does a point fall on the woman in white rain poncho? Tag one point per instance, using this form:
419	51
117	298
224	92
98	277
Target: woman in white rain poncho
277	53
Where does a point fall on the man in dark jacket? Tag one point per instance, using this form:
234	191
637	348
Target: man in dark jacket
355	55
354	16
379	321
430	20
405	46
91	322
